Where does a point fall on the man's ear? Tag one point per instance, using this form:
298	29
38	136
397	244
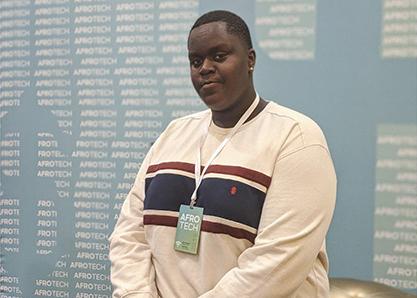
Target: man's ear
251	59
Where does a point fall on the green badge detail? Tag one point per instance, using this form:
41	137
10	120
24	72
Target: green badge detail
188	229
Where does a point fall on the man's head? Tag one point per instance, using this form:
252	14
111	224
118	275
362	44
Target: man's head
222	61
234	24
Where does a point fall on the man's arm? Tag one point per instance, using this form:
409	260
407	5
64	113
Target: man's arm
296	215
132	271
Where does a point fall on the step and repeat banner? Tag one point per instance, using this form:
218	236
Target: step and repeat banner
86	87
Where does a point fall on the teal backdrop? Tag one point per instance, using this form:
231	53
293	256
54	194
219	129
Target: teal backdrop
87	86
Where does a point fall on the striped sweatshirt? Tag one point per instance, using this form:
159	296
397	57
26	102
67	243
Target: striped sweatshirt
268	199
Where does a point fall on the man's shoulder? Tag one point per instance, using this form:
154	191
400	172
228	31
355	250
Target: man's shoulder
297	123
283	113
184	126
191	119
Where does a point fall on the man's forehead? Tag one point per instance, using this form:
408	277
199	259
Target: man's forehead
202	37
209	27
209	31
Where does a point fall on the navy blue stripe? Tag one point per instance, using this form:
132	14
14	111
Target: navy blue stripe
225	198
168	192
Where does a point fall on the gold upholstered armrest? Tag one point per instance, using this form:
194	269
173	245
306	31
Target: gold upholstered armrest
353	288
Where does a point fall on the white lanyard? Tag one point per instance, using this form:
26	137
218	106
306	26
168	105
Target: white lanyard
197	167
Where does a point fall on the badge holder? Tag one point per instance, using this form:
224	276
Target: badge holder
188	229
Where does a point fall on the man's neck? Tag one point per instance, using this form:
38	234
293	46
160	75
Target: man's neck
228	118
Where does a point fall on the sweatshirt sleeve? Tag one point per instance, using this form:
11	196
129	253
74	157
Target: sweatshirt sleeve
132	272
295	218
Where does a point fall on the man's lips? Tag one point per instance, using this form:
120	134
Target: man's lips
208	84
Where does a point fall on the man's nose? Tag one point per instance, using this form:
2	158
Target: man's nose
207	67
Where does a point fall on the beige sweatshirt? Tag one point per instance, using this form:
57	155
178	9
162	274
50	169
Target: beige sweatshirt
268	200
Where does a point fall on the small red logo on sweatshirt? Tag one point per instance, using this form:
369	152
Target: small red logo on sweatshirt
233	190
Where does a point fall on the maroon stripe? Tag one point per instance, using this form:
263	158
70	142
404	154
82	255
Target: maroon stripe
207	226
249	174
161	220
218	228
183	166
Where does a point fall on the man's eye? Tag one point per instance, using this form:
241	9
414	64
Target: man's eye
220	57
195	62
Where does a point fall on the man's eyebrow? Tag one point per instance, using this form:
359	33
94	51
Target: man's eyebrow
220	46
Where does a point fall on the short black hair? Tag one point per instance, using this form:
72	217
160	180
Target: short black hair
234	24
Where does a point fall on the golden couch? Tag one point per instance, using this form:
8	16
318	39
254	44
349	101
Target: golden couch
353	288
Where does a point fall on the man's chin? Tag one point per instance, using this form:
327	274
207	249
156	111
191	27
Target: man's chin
213	101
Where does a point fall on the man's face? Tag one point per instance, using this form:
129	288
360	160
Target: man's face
219	65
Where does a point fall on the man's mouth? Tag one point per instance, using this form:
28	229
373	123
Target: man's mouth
208	83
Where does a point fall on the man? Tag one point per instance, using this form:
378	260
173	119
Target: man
260	175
